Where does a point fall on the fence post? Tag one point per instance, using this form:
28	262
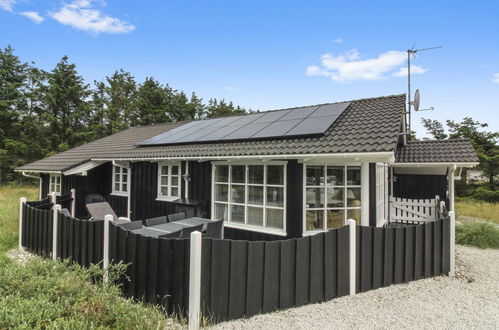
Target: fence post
195	281
351	234
452	242
73	202
22	201
105	262
55	212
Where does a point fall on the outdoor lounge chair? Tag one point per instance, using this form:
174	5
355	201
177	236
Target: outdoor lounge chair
214	229
156	221
186	231
132	225
175	234
99	210
176	216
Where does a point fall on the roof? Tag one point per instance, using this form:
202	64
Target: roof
436	151
367	125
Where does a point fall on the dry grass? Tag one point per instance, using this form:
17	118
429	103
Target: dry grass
478	209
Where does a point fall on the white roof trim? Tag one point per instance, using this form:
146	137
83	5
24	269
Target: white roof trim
83	168
436	164
38	171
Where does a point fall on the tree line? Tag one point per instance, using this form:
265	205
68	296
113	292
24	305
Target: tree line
43	113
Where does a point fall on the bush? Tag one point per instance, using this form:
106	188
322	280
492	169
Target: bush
480	234
491	196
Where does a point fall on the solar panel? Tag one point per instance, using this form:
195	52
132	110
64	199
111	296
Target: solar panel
279	123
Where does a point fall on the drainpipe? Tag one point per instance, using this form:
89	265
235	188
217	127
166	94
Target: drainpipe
450	178
40	184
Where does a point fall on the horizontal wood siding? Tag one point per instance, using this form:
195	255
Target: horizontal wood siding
200	185
419	186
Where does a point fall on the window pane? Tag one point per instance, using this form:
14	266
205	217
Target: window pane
58	179
354	214
274	218
221	211
335	218
175	181
116	178
275	196
315	220
124	187
238	173
222	173
335	175
164	170
237	213
353	197
315	197
237	194
255	195
353	176
164	191
221	192
315	175
116	187
275	174
124	170
124	178
175	192
335	197
255	216
255	174
174	170
164	181
117	169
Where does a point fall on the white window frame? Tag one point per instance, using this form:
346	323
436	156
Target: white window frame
325	208
169	197
55	184
121	182
381	194
246	184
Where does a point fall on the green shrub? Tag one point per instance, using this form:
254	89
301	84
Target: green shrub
481	234
491	196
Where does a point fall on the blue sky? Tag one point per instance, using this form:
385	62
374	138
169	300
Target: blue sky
275	54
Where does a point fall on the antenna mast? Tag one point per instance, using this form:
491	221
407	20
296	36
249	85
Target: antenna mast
411	52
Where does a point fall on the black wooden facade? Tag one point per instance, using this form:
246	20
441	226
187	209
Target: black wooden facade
419	186
144	203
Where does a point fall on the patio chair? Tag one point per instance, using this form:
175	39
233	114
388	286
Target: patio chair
176	216
99	210
214	229
175	234
186	231
132	225
156	221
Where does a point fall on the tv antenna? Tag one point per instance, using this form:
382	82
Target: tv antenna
411	53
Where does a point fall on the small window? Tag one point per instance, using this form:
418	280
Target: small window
55	184
120	180
169	187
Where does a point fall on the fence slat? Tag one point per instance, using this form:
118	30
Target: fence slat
378	253
330	265
271	276
164	272
206	276
254	299
302	271
428	250
389	255
437	248
367	262
152	269
237	275
131	258
317	268
445	246
409	254
288	272
220	265
343	261
141	267
419	252
399	255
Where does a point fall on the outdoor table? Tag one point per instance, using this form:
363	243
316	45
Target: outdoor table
195	221
149	232
168	227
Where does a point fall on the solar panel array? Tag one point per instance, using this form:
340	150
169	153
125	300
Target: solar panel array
281	123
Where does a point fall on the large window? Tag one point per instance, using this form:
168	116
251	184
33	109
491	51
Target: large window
120	180
55	183
250	195
381	193
169	181
332	195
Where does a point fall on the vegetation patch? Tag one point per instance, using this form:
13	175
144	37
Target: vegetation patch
478	209
480	234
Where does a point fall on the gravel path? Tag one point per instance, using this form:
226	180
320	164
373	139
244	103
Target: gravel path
470	300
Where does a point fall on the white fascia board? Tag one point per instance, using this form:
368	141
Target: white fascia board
469	164
38	171
83	168
384	156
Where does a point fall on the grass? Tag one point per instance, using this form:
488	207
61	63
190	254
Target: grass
46	294
478	209
480	234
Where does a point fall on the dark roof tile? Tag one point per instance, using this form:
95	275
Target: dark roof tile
436	151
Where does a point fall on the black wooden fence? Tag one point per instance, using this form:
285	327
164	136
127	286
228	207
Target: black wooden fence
244	278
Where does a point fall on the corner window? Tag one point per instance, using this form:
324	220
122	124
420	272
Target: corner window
332	195
251	196
55	183
120	180
168	181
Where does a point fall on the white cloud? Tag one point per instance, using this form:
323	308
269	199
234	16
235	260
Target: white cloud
338	40
496	78
34	16
231	89
82	15
402	72
349	66
7	5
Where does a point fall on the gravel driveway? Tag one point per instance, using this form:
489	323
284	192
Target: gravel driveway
469	300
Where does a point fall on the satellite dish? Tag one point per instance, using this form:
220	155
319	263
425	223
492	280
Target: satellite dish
416	100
